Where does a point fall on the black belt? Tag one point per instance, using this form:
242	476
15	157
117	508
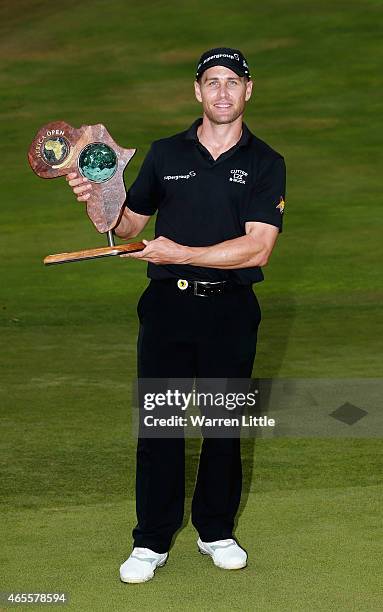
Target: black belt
203	288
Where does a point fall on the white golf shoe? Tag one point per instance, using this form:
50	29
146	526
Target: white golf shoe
141	565
225	553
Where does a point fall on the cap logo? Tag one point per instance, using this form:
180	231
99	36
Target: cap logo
234	57
218	55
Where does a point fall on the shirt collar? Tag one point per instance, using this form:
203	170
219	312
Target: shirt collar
191	133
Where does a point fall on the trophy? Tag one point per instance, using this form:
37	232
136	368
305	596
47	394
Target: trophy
58	149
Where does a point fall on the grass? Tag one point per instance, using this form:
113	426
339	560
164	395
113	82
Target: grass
305	554
309	514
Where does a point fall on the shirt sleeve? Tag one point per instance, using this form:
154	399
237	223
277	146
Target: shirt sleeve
142	197
267	199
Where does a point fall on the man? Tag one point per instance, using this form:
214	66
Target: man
219	194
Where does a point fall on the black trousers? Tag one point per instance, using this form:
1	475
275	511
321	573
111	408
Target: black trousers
186	336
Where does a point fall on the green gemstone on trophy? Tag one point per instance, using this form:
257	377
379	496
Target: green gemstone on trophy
97	162
55	150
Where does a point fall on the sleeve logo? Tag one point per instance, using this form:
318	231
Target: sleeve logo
281	205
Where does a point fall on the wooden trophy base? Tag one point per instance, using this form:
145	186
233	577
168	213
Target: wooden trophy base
108	251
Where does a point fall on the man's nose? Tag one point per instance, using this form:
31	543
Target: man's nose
223	90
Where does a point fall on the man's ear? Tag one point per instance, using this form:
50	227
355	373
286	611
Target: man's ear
197	91
249	89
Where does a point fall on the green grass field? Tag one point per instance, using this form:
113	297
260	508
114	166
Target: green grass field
310	511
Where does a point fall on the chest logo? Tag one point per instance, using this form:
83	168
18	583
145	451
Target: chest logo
177	177
281	205
238	176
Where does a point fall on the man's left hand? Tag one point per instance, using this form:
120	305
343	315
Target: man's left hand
160	251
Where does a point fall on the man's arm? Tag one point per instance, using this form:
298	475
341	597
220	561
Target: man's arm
252	249
130	224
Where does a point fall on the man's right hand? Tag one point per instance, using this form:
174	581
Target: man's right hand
81	186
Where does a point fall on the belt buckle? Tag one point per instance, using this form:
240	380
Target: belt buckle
196	283
195	288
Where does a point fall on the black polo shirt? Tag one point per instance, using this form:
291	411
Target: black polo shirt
201	201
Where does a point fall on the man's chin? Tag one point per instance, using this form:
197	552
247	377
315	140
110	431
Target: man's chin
223	118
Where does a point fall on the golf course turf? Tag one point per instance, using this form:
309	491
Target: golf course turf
310	516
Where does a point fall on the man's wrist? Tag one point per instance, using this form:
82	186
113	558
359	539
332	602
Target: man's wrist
189	254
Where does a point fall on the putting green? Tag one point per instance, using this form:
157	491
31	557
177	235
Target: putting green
307	550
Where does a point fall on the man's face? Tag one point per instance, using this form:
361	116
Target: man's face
223	94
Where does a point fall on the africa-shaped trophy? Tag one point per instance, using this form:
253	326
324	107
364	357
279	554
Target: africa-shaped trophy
58	149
